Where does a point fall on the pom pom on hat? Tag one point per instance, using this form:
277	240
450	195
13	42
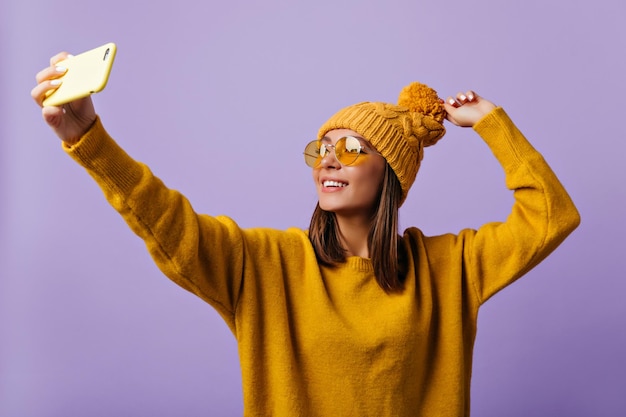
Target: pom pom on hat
399	132
422	99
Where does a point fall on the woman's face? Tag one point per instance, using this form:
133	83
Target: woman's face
349	190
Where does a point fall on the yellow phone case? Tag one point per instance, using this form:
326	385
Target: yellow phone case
87	73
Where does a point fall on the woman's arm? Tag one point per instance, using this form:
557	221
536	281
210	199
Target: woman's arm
542	216
202	254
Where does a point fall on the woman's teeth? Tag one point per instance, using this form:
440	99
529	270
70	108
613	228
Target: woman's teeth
328	183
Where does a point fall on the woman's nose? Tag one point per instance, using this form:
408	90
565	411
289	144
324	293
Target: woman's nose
330	159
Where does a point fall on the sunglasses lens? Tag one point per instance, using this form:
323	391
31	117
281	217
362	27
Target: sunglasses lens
312	154
347	150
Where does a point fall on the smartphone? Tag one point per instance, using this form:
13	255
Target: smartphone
87	73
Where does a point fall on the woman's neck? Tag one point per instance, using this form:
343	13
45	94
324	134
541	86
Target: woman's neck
353	234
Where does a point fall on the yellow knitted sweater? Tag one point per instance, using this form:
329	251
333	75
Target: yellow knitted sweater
319	341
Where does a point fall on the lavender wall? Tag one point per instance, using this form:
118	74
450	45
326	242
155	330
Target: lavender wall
88	326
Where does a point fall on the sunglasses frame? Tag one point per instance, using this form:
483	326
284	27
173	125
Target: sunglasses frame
320	155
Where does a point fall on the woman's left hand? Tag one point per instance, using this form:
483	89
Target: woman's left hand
467	108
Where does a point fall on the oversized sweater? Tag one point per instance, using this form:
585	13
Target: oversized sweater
328	341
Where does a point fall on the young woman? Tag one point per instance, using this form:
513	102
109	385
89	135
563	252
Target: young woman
348	318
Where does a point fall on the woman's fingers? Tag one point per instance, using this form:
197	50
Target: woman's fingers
59	57
462	98
452	101
53	116
48	79
42	90
49	73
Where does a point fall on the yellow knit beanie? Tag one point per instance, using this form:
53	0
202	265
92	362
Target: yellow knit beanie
399	132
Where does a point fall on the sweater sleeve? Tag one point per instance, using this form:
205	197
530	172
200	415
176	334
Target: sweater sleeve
543	214
200	253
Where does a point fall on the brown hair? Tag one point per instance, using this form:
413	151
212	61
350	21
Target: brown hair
384	244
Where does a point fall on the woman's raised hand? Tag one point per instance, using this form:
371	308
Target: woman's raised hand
467	108
69	121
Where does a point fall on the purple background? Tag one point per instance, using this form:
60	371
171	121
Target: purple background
219	98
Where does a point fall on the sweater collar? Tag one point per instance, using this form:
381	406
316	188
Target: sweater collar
359	264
